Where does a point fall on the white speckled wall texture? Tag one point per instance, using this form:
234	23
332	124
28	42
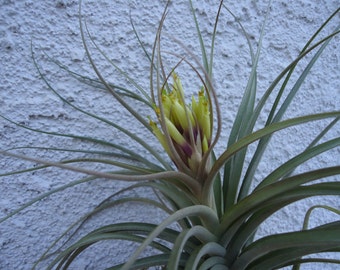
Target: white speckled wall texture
52	28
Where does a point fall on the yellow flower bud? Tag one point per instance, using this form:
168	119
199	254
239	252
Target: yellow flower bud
174	133
180	113
178	87
205	144
160	136
205	120
189	127
167	104
202	113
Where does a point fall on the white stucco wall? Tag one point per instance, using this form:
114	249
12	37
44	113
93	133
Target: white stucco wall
53	28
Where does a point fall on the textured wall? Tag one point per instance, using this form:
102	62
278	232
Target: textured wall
52	27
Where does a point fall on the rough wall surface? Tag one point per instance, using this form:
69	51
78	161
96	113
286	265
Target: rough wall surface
52	27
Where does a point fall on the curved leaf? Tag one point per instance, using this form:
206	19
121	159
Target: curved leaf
206	214
277	250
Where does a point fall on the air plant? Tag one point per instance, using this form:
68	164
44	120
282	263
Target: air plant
213	209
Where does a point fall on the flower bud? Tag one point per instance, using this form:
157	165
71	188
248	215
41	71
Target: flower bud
188	127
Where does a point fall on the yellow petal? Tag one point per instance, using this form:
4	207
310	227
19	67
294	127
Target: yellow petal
205	122
178	86
202	113
167	104
159	135
205	145
180	113
174	133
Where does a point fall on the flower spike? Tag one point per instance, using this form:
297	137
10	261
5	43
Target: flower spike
188	126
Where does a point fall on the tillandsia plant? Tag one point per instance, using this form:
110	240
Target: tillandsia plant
213	201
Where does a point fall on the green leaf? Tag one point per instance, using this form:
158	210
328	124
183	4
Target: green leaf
277	117
245	141
206	214
290	165
134	232
276	191
200	233
241	232
208	249
145	263
277	250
